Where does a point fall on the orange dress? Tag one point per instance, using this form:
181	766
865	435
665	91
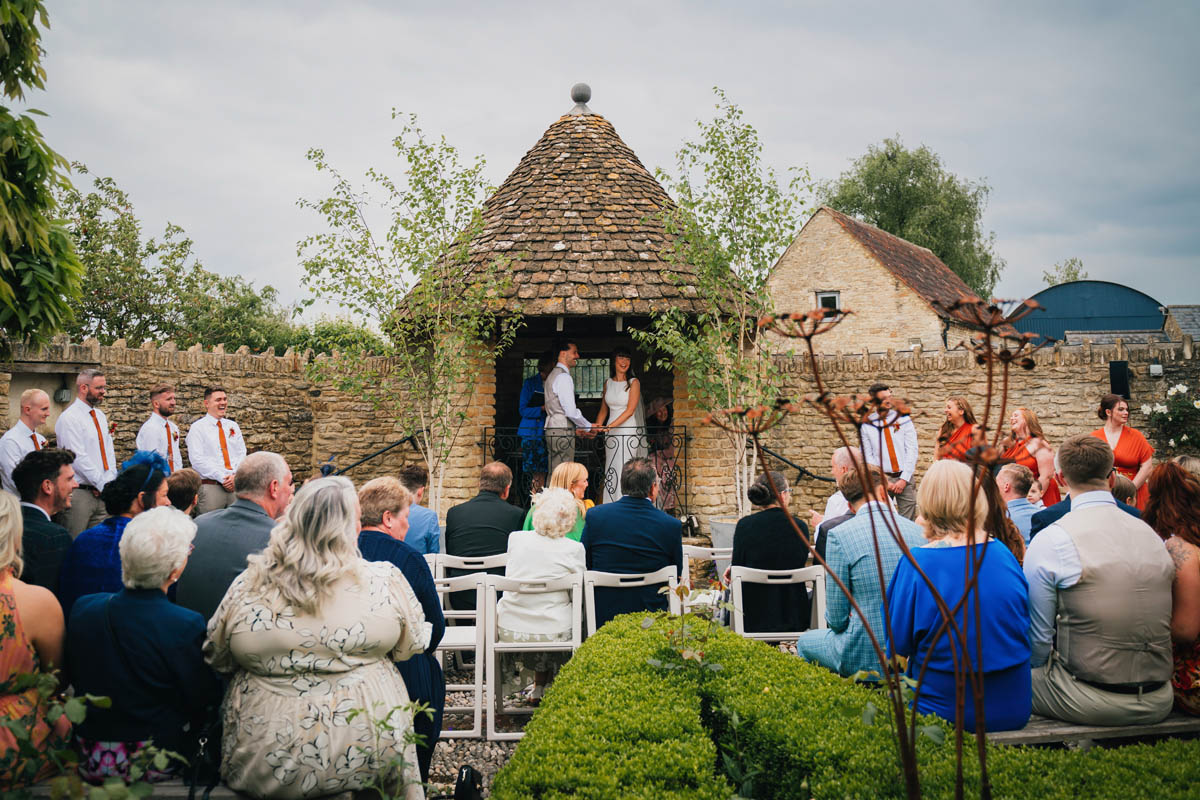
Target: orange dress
1020	454
17	657
959	443
1131	452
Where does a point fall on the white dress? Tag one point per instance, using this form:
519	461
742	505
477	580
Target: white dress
626	441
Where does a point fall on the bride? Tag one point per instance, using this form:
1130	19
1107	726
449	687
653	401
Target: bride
622	404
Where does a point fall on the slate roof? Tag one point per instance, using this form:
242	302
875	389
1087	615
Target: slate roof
1187	318
580	217
1110	337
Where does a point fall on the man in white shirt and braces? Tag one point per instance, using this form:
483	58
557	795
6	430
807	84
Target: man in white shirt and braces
215	448
893	447
22	438
83	429
159	433
563	419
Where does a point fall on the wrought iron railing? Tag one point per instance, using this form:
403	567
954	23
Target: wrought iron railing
603	456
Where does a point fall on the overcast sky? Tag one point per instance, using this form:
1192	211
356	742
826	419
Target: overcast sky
1082	116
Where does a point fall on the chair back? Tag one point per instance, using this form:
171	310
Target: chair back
432	560
739	576
463	583
445	561
495	584
617	580
715	554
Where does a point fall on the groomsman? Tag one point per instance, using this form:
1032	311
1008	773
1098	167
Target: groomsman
893	447
215	447
159	433
23	438
83	429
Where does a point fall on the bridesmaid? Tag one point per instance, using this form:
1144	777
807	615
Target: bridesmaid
1027	446
1132	454
957	435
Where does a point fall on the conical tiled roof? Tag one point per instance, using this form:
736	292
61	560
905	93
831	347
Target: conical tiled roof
580	219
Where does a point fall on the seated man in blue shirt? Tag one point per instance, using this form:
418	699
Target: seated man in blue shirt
424	533
1014	482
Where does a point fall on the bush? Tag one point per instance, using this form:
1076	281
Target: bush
613	726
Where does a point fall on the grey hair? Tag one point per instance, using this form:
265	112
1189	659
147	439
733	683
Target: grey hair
11	528
846	457
555	512
155	543
86	376
311	548
256	472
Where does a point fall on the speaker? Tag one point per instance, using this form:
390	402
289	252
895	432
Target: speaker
1118	378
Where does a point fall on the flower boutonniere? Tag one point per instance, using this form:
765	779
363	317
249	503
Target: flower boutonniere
112	428
233	431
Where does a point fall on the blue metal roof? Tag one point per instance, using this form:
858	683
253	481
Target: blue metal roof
1092	306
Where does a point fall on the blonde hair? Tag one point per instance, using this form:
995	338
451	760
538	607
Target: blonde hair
944	499
566	475
555	513
312	547
12	526
379	496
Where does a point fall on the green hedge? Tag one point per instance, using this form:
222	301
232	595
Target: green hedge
613	726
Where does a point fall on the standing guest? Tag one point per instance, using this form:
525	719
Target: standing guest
159	433
142	651
424	532
1124	490
1027	446
841	462
890	441
573	477
542	553
844	646
1014	481
660	439
216	448
1132	454
1002	639
384	506
226	537
1100	604
309	633
45	480
1049	516
532	406
625	432
766	540
31	640
93	564
631	536
1174	513
183	489
564	421
957	434
480	526
83	429
23	437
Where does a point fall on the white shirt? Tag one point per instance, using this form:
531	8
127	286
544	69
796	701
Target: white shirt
904	440
39	508
564	388
15	444
153	436
204	447
836	505
76	431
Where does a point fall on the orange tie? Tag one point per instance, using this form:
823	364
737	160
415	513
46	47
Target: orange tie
170	448
36	445
887	437
224	445
100	436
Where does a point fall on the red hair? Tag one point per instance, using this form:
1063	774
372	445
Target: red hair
1174	506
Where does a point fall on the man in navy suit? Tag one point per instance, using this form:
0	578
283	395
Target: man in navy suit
1048	516
631	536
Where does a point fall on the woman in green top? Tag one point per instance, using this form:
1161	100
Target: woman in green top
573	477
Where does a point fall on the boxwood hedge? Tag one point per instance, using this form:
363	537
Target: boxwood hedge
613	726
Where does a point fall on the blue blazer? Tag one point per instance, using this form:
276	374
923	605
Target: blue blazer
628	536
1048	516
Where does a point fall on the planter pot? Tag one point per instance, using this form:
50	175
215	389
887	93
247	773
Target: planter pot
721	530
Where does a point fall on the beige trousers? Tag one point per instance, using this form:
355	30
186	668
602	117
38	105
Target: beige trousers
86	510
213	497
1058	694
560	447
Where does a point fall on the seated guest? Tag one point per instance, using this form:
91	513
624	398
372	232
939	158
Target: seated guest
225	537
1014	482
93	564
841	462
1052	514
997	524
766	540
1173	511
1190	463
31	640
309	632
828	525
384	506
944	501
424	532
545	553
183	489
572	476
480	526
142	651
44	481
1124	490
844	646
632	536
1100	586
1035	497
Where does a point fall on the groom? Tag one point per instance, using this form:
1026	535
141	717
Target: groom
563	420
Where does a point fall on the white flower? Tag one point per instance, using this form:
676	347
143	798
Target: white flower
1183	438
1172	390
1171	443
1196	404
1159	408
1146	409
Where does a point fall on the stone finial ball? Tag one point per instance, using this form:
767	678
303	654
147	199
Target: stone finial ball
581	93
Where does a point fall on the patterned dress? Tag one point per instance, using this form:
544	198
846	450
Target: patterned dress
1186	679
1019	453
290	728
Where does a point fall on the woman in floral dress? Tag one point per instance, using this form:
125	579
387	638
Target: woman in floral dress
309	632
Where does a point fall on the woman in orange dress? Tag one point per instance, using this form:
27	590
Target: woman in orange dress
957	435
1132	454
1027	446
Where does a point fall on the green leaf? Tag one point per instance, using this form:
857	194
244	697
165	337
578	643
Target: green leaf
76	710
935	732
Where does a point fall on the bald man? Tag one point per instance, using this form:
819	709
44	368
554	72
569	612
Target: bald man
23	437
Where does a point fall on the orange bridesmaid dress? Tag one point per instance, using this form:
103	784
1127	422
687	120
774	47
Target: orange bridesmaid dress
1131	452
959	443
1020	454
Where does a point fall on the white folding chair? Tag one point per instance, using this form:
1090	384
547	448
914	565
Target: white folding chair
432	560
704	596
617	580
739	576
479	564
493	586
460	638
